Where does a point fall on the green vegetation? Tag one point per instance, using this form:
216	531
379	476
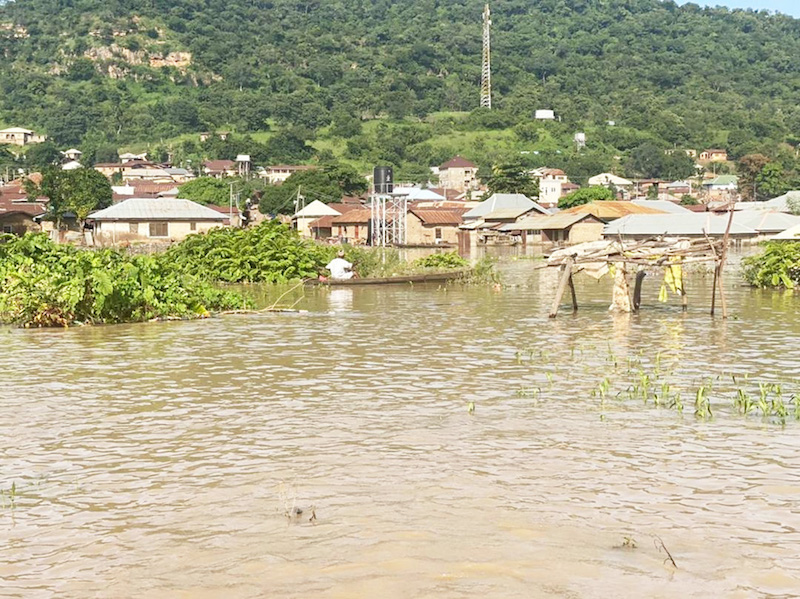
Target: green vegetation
778	265
268	253
397	83
444	261
43	284
81	191
586	195
327	184
658	381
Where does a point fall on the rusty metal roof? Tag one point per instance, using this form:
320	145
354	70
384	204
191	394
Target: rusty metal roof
434	216
612	209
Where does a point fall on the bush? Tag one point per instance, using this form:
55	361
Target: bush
778	265
447	260
43	284
270	253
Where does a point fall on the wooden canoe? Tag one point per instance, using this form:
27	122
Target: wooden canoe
435	277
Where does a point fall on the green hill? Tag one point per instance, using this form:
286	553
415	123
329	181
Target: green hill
128	71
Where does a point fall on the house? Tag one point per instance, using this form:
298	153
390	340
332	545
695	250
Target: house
138	188
130	157
551	184
764	222
458	173
158	219
322	227
17	217
607	179
71	165
695	225
138	172
433	226
503	201
714	155
722	187
72	154
557	228
792	234
544	115
611	210
280	172
782	203
679	188
179	175
17	136
308	214
219	168
352	227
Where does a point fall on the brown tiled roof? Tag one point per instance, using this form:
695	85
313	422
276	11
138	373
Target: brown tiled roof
457	162
435	216
448	194
323	222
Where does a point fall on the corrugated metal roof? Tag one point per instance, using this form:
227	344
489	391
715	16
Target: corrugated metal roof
316	209
157	209
691	224
792	234
663	206
766	222
506	213
554	222
433	216
358	216
503	201
612	209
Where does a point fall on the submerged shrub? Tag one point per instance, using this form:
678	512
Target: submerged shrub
778	265
268	253
442	261
44	284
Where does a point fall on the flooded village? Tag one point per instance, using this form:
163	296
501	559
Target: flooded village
286	312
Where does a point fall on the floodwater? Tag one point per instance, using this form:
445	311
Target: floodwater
160	460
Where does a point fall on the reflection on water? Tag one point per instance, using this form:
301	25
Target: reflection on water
157	460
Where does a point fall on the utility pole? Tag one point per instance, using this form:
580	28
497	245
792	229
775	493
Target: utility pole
486	72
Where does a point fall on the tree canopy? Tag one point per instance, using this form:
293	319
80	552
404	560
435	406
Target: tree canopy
587	195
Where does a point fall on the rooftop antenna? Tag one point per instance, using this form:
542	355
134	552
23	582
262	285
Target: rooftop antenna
486	72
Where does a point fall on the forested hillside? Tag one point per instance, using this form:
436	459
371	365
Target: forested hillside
122	71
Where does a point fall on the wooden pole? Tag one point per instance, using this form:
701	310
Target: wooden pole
572	292
726	239
566	275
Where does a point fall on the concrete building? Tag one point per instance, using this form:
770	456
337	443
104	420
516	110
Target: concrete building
433	226
157	219
18	136
551	182
458	173
280	172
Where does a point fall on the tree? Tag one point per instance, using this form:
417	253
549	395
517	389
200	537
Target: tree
326	184
687	200
85	190
40	156
512	178
81	191
748	168
207	190
586	195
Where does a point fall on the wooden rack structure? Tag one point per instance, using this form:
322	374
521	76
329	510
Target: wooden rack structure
600	257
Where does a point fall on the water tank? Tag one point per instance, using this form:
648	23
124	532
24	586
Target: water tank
383	179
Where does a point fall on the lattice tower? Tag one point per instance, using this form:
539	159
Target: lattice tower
486	72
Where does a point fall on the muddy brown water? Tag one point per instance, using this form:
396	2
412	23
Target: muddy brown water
158	460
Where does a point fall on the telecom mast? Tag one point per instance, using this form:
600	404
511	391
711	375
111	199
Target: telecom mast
486	72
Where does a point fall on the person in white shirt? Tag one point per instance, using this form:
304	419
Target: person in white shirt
340	268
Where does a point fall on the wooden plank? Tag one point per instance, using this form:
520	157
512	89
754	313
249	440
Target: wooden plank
572	292
566	275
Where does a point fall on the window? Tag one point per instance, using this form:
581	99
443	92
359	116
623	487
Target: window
134	228
8	229
437	233
193	226
159	230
